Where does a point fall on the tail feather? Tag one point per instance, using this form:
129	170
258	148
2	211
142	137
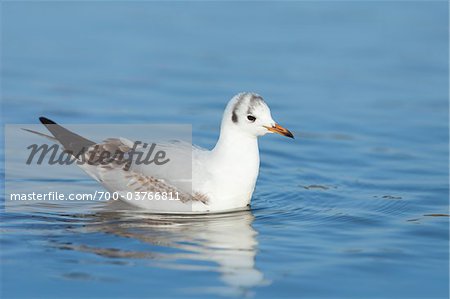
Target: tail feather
41	134
73	143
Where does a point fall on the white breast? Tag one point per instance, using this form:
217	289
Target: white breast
227	175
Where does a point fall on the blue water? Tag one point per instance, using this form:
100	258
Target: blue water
355	207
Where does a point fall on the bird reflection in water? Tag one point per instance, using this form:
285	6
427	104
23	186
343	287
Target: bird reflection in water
222	243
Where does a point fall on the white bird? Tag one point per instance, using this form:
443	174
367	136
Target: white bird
222	179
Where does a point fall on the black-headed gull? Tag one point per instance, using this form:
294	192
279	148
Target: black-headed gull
223	179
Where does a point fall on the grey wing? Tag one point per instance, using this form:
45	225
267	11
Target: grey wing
118	172
136	181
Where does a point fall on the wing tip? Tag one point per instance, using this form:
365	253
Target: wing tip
46	121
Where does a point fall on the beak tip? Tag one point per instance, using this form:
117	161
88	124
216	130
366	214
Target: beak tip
280	130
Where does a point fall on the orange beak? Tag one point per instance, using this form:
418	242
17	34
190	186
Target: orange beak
280	130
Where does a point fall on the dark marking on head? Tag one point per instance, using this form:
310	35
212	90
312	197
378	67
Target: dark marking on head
234	117
252	99
255	100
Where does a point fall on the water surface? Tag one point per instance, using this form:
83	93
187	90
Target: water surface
355	206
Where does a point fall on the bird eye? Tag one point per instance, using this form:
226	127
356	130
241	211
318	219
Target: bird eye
251	118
